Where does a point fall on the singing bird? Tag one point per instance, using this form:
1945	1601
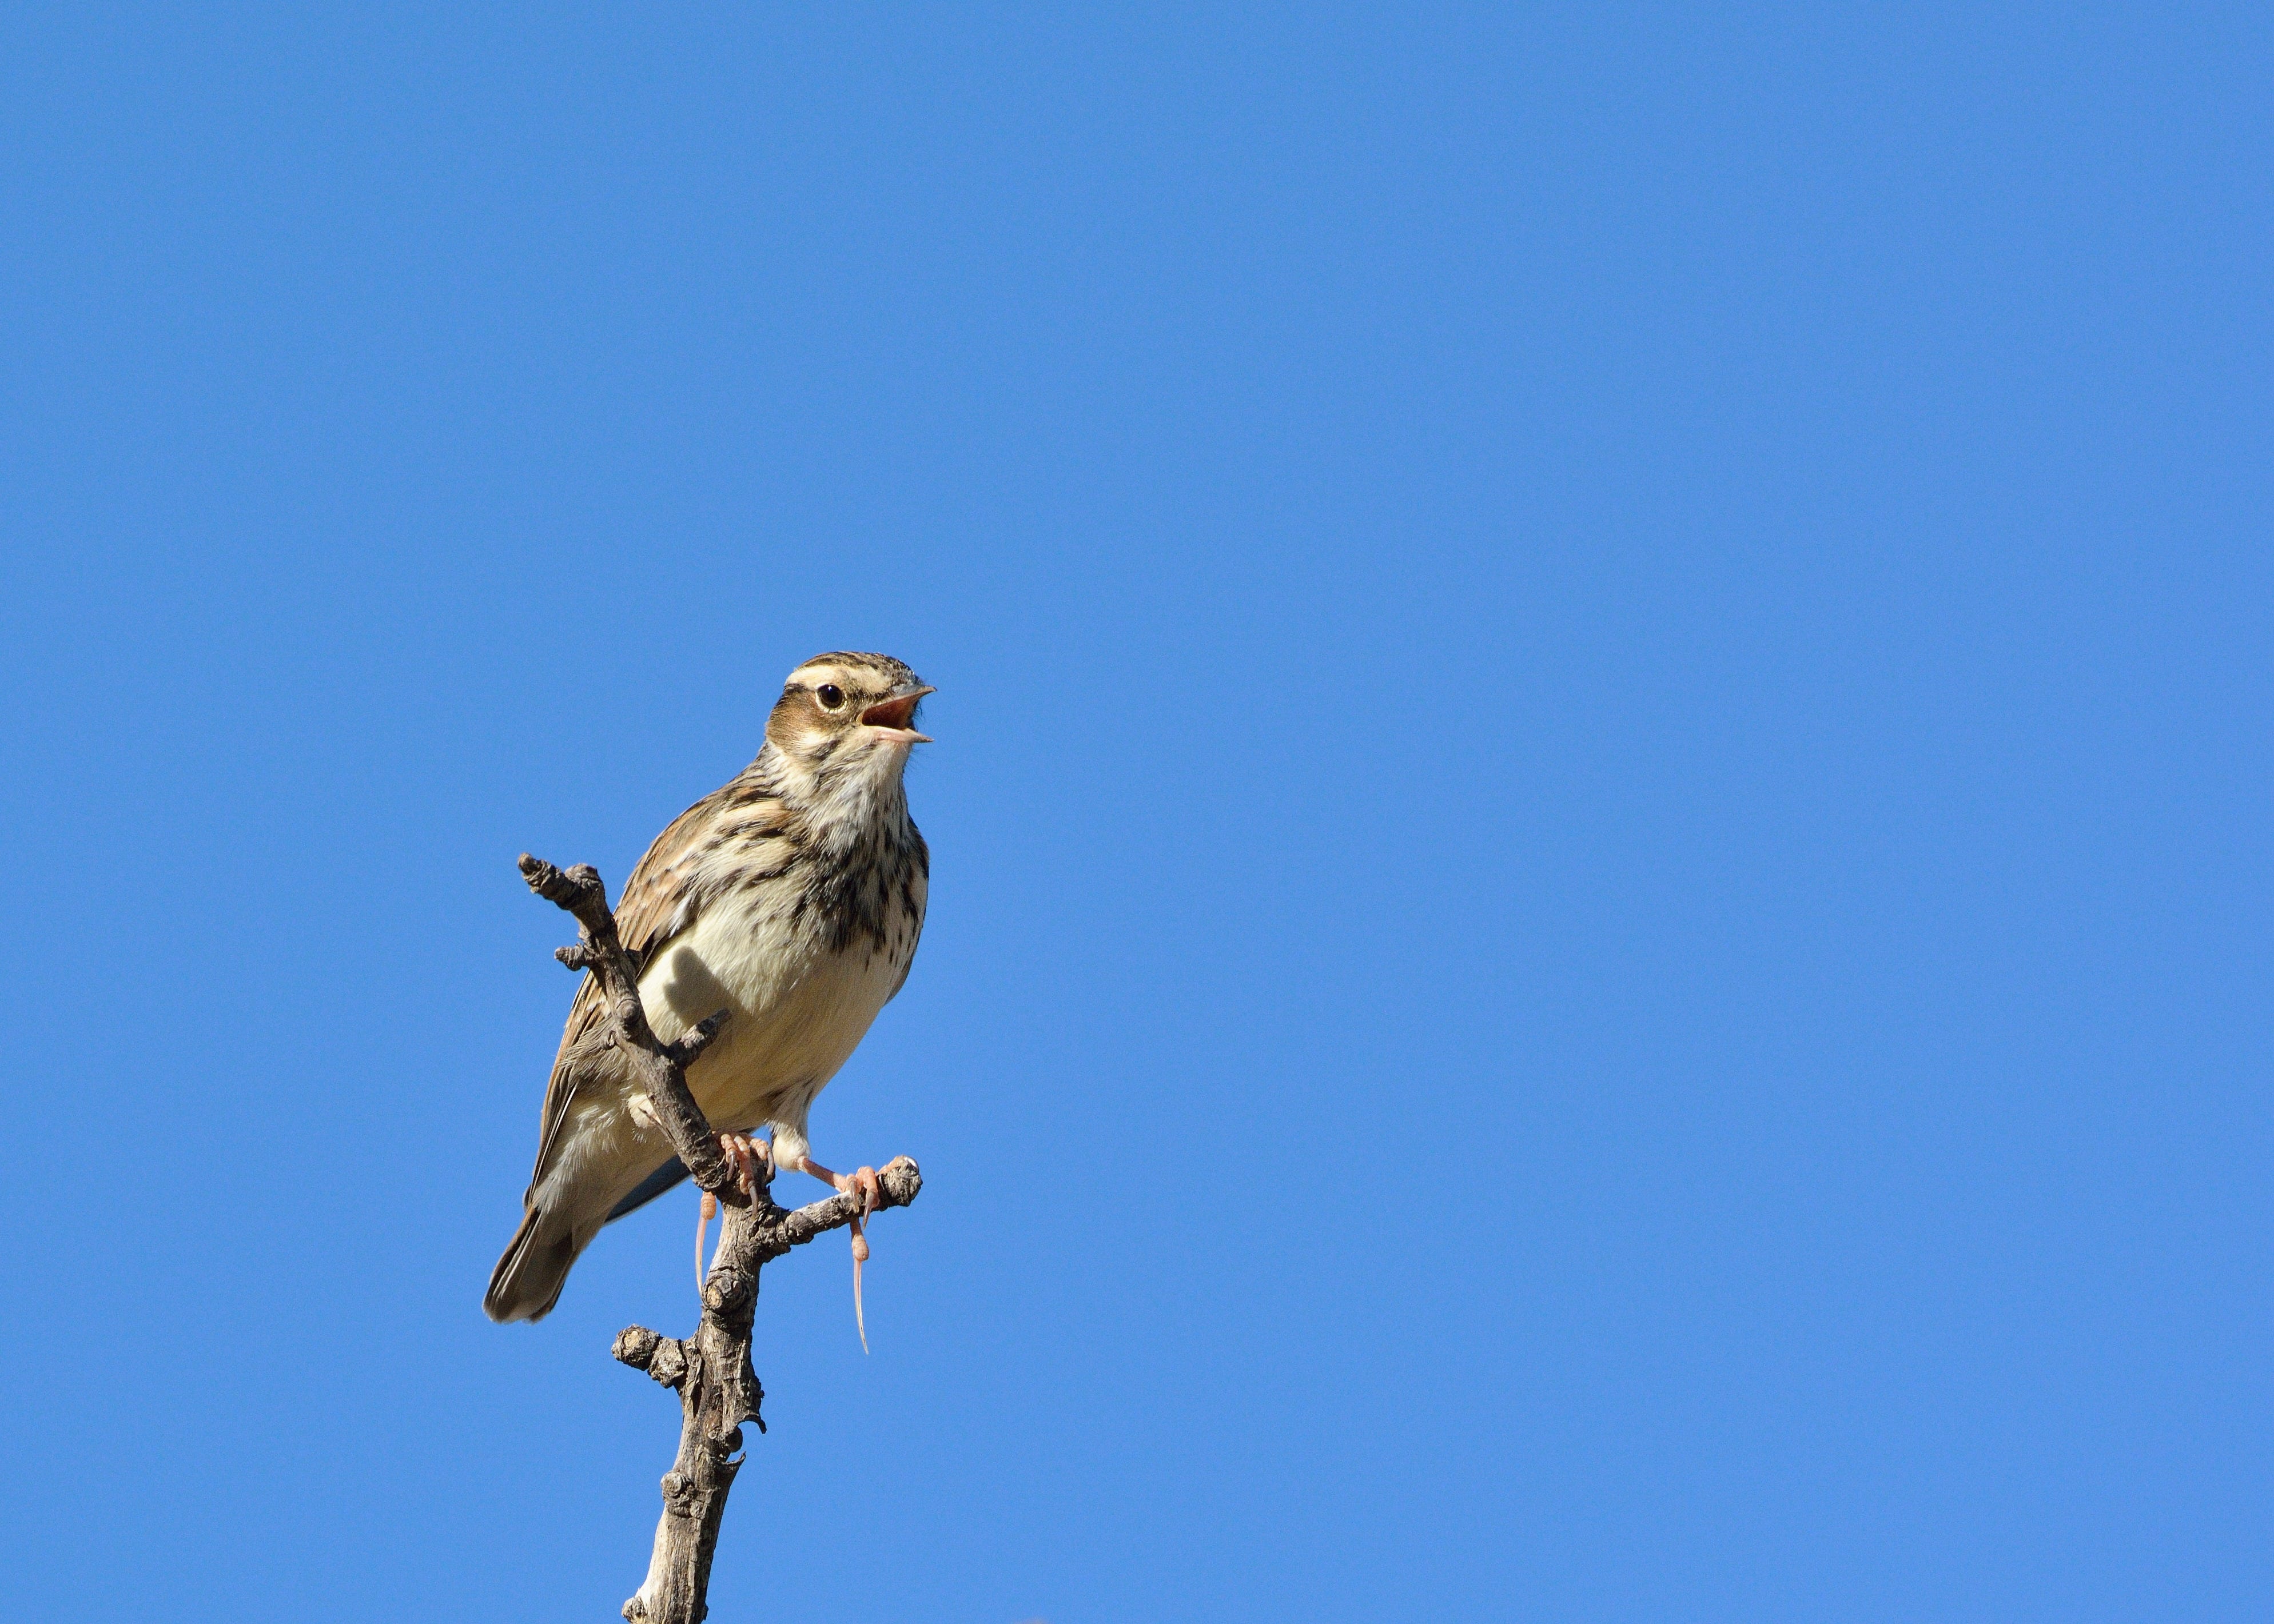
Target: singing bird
791	898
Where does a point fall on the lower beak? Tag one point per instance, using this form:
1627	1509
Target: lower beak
890	718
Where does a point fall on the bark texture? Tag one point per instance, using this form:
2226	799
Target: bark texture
719	1389
711	1371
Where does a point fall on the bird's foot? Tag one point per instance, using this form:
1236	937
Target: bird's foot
753	1160
753	1163
864	1184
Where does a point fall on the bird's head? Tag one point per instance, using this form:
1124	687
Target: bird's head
848	715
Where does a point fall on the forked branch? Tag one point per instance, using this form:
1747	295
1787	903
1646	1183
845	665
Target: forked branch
711	1371
719	1390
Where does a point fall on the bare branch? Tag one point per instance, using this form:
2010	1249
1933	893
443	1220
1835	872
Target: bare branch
660	1067
719	1389
694	1039
710	1371
899	1179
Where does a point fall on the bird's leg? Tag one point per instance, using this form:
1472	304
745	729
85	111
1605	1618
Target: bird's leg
748	1157
862	1184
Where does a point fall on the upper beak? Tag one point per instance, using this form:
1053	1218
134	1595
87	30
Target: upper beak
889	717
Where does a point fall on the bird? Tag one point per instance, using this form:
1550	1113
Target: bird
792	897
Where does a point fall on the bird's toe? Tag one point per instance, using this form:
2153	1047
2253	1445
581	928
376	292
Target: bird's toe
753	1164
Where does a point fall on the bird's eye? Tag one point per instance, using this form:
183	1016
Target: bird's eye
831	695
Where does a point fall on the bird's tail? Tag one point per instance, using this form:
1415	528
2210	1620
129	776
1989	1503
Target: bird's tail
527	1281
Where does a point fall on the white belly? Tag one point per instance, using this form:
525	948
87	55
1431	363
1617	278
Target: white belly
796	1013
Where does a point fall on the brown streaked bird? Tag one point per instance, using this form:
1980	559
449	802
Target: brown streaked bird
791	898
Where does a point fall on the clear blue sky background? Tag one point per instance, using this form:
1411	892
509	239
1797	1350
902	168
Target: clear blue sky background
1600	904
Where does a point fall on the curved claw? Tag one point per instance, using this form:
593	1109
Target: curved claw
753	1160
864	1184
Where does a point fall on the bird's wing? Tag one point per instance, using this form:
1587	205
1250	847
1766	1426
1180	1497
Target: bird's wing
657	902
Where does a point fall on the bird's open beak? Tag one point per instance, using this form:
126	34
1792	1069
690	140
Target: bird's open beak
890	718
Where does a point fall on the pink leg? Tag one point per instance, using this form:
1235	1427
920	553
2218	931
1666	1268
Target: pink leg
862	1184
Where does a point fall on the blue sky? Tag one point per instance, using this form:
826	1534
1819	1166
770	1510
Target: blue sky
1600	934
